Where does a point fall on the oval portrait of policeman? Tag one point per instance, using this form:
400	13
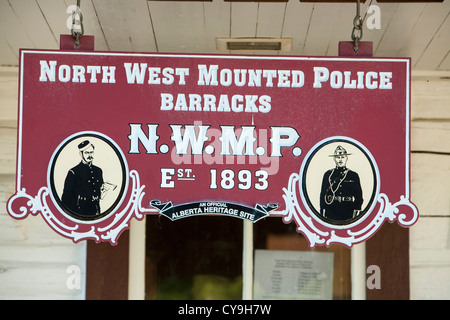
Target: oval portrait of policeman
340	181
88	176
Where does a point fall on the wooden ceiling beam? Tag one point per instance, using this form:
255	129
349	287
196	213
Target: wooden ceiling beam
321	1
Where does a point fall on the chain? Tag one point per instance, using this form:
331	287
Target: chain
357	31
77	34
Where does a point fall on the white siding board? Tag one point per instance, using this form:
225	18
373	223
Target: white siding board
438	48
126	25
431	136
430	259
217	24
430	282
270	19
431	183
8	157
31	281
399	28
445	64
8	23
430	98
55	12
243	22
270	23
244	17
178	26
323	21
296	22
8	95
387	12
424	29
8	56
30	16
430	234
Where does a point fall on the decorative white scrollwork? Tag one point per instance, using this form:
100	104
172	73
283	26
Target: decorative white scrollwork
322	233
108	229
294	212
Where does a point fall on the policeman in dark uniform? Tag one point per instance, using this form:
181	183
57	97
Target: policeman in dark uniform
341	194
83	187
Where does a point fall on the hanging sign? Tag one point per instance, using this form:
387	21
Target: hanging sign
105	137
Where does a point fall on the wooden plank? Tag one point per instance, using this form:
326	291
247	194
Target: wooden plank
423	30
244	17
411	1
36	280
8	56
431	136
178	26
270	23
438	48
30	16
387	11
321	26
430	234
12	31
428	283
126	25
430	177
270	20
8	119
243	22
296	24
430	98
55	12
399	28
216	24
445	64
9	77
430	258
263	1
8	136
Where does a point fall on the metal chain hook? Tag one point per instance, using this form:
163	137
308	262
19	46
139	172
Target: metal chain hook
77	34
357	31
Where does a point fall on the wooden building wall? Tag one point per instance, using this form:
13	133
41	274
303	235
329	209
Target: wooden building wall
430	236
36	263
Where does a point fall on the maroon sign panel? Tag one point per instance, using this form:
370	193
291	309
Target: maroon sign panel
320	142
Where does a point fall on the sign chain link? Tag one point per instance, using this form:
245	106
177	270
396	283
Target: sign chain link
357	31
75	22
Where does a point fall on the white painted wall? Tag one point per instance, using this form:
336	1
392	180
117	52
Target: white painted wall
34	259
430	236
